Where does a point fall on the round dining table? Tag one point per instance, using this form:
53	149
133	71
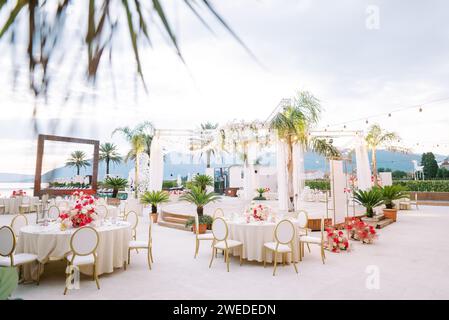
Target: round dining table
52	242
253	235
12	204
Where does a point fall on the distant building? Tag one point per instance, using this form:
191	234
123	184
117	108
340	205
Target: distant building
445	164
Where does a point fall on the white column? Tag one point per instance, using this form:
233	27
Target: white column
156	165
281	165
363	167
298	174
338	185
210	173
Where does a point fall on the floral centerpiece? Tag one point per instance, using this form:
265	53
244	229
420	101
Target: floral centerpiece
360	230
336	241
18	193
257	212
82	213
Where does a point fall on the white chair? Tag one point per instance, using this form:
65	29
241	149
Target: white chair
133	205
221	241
53	212
17	223
284	236
200	237
7	256
102	211
133	219
302	218
306	239
83	245
2	206
25	205
139	244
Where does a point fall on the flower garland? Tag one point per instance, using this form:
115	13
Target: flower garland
336	241
257	212
82	213
360	230
18	193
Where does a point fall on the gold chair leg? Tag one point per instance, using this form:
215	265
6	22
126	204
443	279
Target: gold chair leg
214	251
264	253
300	251
151	254
294	264
322	254
227	259
197	245
241	255
275	263
149	258
308	247
96	276
129	255
38	272
67	275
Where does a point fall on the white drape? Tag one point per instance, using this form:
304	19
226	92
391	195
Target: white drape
282	174
156	165
338	184
248	172
298	174
363	167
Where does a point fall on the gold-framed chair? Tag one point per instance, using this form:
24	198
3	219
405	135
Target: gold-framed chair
139	244
102	211
284	235
133	219
302	218
2	206
53	212
220	232
20	220
25	205
7	256
306	239
200	236
83	246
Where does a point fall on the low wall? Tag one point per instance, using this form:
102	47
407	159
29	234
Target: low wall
430	196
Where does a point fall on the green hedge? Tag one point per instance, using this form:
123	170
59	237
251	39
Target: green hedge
424	185
319	184
167	184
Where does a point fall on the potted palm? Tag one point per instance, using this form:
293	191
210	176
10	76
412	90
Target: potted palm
199	197
203	181
390	194
369	199
260	191
154	198
116	184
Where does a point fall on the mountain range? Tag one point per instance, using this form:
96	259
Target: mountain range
177	163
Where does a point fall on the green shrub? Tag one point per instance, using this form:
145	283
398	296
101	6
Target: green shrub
320	184
167	184
424	185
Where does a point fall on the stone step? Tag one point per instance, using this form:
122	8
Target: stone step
173	225
175	215
175	220
385	222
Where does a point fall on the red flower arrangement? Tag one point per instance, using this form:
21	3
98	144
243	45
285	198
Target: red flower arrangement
82	214
18	193
336	241
360	230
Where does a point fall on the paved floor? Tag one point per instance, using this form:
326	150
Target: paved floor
410	260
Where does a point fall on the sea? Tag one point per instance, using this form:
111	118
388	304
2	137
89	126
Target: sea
6	188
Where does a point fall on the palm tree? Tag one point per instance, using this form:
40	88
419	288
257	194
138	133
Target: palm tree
293	125
203	181
376	138
200	198
140	138
77	159
205	142
108	153
116	184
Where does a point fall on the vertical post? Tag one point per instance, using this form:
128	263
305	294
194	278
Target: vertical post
38	171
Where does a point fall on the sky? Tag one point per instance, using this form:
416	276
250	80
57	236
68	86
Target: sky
359	58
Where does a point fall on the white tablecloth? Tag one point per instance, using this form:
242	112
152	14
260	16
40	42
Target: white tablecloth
254	235
50	241
12	204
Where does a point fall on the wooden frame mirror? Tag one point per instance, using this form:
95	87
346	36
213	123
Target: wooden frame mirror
40	154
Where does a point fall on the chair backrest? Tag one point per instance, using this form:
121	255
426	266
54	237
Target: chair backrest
58	198
53	212
18	222
284	232
303	218
84	241
26	200
218	213
220	229
102	211
132	218
7	241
